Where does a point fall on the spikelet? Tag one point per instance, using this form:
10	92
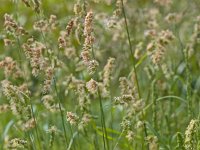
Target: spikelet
53	21
12	26
41	25
33	51
125	124
29	124
153	142
27	3
72	118
36	6
127	88
10	67
63	39
172	18
50	104
88	24
48	79
167	71
107	72
17	143
85	120
69	27
190	134
78	8
130	135
91	64
156	49
138	50
16	100
118	9
8	42
52	131
92	86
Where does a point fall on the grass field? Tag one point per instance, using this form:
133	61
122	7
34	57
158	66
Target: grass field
99	74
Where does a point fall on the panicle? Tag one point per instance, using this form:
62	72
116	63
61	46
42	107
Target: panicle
88	24
17	143
72	118
190	134
107	72
33	51
10	67
12	26
48	80
50	103
92	86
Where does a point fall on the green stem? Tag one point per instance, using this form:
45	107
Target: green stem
154	105
188	87
103	119
133	61
61	112
130	48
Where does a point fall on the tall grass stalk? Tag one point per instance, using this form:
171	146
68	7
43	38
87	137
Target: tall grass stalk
61	112
103	120
133	61
32	112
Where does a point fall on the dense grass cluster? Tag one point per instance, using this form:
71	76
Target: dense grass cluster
99	74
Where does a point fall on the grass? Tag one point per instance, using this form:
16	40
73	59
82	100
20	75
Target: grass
99	74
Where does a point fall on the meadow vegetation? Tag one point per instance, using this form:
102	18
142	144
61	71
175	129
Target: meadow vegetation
99	75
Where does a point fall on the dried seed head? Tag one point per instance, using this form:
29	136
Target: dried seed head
62	39
85	55
12	27
28	125
118	9
41	25
10	67
150	33
36	6
72	118
84	121
172	18
138	50
69	27
88	24
156	49
107	71
8	42
92	66
77	8
124	86
153	142
190	133
33	51
48	79
50	104
27	3
125	124
92	86
53	21
130	135
17	143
